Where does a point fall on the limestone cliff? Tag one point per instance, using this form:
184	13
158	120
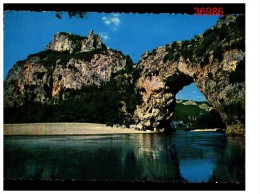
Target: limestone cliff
213	60
74	43
69	62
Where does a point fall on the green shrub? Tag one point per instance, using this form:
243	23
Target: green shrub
196	117
211	119
94	104
87	56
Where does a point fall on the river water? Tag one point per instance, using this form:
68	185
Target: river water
181	157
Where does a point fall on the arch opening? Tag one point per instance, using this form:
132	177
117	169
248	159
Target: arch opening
161	109
193	111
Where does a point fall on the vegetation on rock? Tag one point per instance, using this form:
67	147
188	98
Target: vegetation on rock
193	116
229	34
110	103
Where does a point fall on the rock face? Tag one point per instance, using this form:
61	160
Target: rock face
74	43
212	62
69	62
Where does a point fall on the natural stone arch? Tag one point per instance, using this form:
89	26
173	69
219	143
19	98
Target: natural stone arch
158	99
161	80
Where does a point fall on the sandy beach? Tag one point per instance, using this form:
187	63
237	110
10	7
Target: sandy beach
65	129
209	130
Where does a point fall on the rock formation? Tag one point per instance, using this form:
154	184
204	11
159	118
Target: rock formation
74	43
210	61
214	61
69	62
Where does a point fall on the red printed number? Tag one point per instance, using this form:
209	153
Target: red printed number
209	11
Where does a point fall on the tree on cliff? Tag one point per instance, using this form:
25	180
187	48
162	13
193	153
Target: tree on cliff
72	14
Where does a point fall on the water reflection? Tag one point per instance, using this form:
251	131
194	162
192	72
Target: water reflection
197	170
180	156
231	161
158	158
198	153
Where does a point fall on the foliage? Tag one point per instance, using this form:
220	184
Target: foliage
21	62
87	56
182	112
72	14
49	58
237	108
173	52
215	41
193	117
211	119
90	104
94	104
226	35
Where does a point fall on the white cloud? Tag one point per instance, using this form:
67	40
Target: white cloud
104	36
113	21
106	20
116	21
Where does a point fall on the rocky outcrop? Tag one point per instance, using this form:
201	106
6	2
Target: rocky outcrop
73	43
92	42
68	63
212	60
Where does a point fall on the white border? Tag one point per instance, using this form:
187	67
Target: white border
252	83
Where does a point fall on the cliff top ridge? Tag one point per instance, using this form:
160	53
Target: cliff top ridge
63	41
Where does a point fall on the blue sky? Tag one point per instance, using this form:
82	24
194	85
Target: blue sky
30	32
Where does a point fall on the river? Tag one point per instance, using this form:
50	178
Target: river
191	157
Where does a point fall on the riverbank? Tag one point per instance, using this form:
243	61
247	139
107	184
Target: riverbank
66	129
209	130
